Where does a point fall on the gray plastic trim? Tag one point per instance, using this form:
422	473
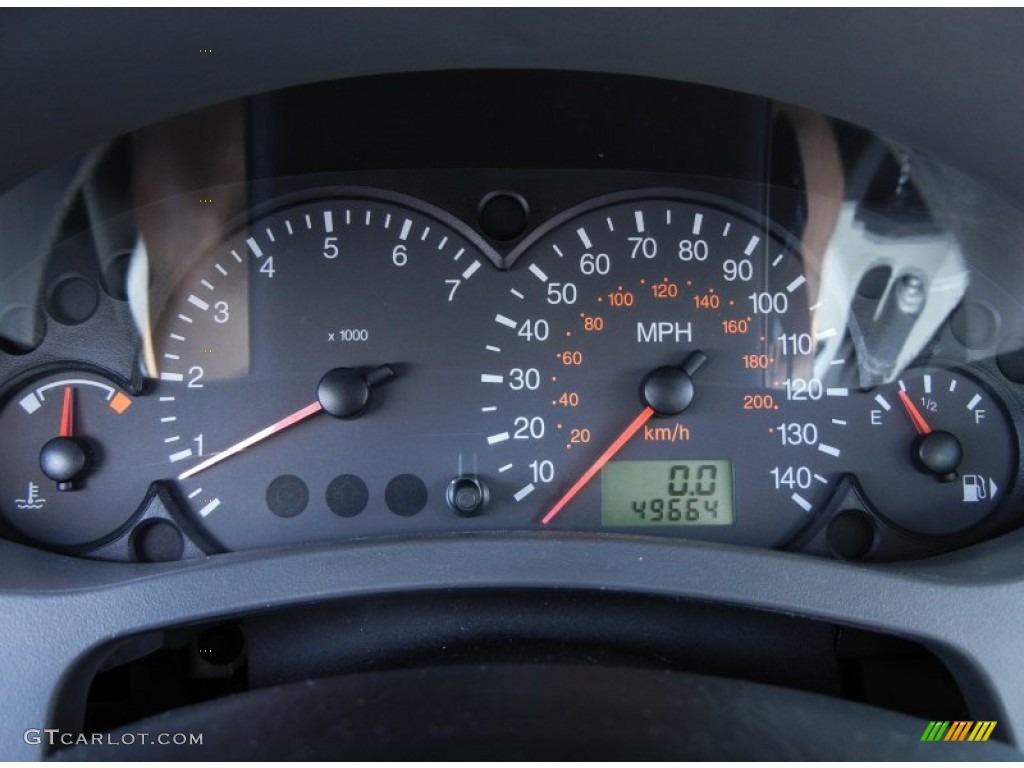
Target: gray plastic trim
58	610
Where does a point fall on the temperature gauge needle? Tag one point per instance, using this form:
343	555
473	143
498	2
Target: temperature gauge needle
634	426
278	426
915	415
67	414
66	458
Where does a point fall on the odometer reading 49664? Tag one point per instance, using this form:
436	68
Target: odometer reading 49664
666	493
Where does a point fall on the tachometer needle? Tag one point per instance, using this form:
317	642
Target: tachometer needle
342	393
915	415
634	426
263	434
67	414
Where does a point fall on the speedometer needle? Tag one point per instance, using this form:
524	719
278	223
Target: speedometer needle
915	415
634	426
667	391
263	434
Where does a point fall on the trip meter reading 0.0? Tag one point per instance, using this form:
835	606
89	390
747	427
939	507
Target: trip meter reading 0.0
589	373
666	493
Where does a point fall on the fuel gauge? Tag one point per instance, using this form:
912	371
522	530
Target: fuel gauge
73	473
943	451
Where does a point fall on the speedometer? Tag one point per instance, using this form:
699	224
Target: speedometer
649	371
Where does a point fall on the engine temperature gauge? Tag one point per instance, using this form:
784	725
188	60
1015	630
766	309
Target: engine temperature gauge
69	448
942	451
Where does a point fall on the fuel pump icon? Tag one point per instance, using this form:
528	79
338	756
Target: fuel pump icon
978	488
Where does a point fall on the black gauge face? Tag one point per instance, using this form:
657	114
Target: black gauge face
309	375
648	372
74	467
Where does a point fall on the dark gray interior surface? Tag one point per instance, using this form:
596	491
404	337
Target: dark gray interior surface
476	712
944	81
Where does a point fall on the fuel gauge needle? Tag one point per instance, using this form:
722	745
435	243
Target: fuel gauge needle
915	415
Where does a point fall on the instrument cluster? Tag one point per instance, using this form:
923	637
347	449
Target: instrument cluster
288	358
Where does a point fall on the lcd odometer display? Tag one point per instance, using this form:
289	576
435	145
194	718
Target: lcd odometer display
640	493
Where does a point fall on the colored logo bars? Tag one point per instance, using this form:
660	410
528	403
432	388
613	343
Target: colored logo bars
958	730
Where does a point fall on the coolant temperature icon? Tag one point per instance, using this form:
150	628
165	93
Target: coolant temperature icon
978	488
32	499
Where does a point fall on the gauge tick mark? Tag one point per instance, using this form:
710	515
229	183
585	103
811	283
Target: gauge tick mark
195	301
523	492
205	511
796	284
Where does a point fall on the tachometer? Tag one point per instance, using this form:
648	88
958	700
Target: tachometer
305	388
